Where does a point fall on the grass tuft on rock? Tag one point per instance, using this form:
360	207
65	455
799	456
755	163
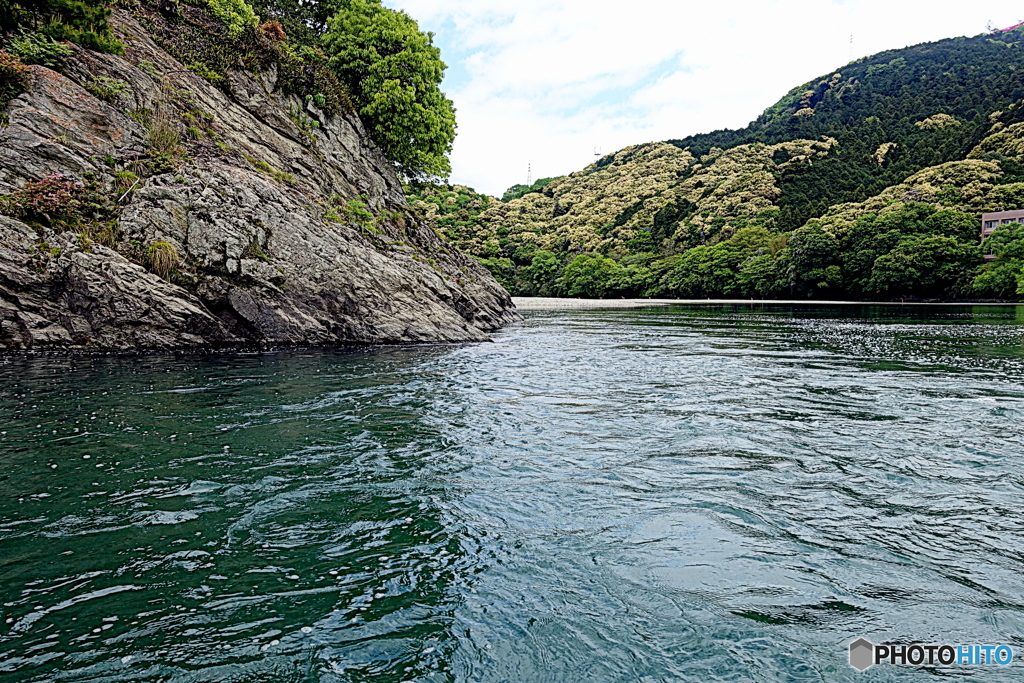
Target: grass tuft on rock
162	258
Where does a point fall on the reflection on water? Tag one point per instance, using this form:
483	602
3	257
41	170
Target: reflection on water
674	494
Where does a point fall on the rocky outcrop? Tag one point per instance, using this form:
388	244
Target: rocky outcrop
257	201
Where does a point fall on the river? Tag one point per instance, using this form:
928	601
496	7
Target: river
706	493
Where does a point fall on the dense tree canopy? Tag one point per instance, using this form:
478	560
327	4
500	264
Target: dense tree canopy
393	72
893	114
906	250
305	21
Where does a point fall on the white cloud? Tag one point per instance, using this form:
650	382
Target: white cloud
544	82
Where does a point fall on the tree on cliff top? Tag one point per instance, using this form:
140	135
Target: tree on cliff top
393	72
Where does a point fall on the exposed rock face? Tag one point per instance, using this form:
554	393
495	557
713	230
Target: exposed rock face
244	208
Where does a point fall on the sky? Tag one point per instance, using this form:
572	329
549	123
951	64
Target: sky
549	84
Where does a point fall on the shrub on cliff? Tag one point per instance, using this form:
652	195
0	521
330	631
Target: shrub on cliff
37	48
236	15
393	72
14	78
58	201
86	22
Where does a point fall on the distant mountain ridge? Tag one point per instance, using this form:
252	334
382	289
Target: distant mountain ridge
888	140
881	100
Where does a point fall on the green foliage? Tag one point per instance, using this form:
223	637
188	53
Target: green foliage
875	248
14	78
163	141
639	275
393	72
211	49
542	276
60	202
354	212
205	43
108	89
814	255
263	167
875	69
254	250
923	266
147	67
64	203
303	122
236	15
912	250
874	191
503	271
585	275
706	271
456	211
305	21
124	183
952	223
206	73
766	276
85	22
303	71
885	99
38	48
592	276
1000	278
517	191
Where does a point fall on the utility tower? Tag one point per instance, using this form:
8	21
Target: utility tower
529	175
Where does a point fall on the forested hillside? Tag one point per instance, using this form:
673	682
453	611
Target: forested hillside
892	115
867	182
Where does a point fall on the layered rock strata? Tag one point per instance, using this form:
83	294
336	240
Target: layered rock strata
256	205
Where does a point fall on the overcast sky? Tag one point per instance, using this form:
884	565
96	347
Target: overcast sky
548	82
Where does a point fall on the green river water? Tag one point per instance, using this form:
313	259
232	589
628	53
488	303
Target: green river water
681	494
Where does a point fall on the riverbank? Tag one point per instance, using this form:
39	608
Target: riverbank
540	303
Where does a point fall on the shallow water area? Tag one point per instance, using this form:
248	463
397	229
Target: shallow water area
706	493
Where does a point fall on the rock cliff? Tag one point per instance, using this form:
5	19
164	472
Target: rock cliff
277	223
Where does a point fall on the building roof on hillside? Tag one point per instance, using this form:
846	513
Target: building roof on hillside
1007	30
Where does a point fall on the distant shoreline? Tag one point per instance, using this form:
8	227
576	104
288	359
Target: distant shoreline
529	303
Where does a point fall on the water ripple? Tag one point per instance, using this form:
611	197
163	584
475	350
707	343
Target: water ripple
712	494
